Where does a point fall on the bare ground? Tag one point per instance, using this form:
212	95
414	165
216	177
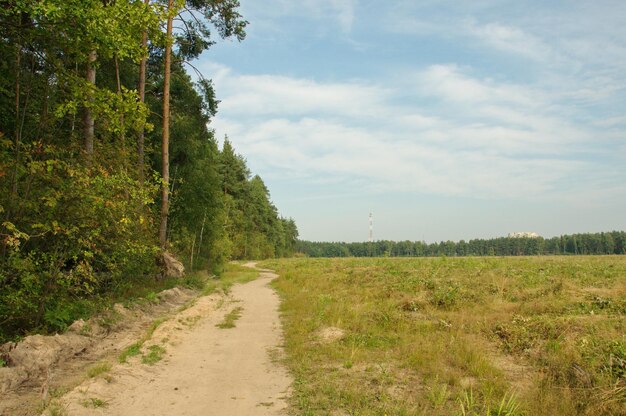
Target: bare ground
204	370
207	370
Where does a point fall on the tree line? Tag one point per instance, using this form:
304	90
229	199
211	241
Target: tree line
613	242
106	157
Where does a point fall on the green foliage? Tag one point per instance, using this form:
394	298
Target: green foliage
72	236
78	229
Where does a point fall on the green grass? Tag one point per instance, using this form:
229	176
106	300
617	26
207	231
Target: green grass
131	351
154	355
230	318
451	336
94	403
55	409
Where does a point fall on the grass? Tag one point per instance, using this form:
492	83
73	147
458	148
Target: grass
98	369
230	318
234	273
55	409
456	336
154	355
94	403
130	351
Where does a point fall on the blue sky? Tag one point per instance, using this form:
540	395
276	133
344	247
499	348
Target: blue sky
446	119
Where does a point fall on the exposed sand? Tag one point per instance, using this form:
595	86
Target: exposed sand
206	370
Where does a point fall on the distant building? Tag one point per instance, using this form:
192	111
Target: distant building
524	234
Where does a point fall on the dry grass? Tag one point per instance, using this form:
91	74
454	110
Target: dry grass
448	336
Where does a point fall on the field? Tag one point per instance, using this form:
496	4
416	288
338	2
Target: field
455	336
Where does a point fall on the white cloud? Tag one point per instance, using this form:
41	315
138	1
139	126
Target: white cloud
511	39
481	139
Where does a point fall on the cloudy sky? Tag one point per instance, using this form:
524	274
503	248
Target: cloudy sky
446	119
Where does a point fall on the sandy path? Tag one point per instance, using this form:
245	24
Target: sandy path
207	370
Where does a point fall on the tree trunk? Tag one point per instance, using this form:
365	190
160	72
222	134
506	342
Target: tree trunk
166	130
142	98
119	94
88	123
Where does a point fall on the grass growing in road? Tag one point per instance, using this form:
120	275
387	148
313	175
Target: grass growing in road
233	273
230	318
455	336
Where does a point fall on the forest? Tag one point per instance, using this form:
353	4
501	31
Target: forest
107	158
613	242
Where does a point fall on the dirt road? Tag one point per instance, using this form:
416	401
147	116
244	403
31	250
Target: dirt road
205	370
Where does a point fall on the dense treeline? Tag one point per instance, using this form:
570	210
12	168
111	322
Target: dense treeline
89	92
591	243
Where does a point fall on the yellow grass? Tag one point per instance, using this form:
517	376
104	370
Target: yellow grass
455	336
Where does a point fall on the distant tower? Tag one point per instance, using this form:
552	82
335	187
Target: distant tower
371	234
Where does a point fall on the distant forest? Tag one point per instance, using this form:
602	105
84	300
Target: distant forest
613	242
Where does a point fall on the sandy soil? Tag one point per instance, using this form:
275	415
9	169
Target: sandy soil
42	366
206	370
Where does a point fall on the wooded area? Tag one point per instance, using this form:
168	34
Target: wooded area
87	99
590	243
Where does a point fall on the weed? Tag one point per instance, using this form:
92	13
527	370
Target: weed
230	318
153	327
438	395
94	403
86	329
58	392
508	406
468	403
152	297
196	280
2	363
130	351
56	409
110	319
154	355
98	369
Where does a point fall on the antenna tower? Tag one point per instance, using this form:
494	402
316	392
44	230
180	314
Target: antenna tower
371	234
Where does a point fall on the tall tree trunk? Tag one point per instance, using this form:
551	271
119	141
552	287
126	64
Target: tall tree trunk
18	130
166	129
88	123
142	98
122	135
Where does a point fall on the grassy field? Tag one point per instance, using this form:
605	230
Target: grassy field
455	336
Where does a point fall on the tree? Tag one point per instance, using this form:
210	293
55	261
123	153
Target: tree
165	142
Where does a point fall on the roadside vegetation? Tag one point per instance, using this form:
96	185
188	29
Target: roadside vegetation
92	189
455	336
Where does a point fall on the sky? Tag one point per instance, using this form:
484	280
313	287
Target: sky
445	119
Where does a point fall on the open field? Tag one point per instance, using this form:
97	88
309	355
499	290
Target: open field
455	336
